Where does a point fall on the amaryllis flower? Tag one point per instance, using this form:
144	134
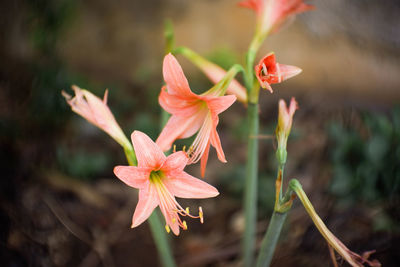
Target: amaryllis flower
272	13
160	179
96	111
285	119
268	71
191	113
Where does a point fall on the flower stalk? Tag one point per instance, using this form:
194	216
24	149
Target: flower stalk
250	190
250	193
352	258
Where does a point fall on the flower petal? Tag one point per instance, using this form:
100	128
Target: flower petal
288	71
216	142
148	201
179	127
184	185
175	162
133	176
177	83
178	105
220	104
148	153
204	159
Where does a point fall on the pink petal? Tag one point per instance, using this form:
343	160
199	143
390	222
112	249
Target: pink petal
288	71
175	162
204	159
177	83
148	201
101	113
179	127
178	105
252	4
133	176
184	185
293	106
220	104
216	142
148	153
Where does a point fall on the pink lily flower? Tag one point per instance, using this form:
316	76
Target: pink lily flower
191	113
271	14
268	71
160	179
96	111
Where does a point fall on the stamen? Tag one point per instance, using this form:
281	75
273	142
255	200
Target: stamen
201	214
174	149
172	209
184	148
265	69
201	141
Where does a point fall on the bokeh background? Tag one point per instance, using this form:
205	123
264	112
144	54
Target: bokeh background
60	202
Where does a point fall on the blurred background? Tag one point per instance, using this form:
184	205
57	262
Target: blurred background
60	202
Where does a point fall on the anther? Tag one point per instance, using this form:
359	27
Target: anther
187	210
201	215
265	69
174	149
184	225
184	148
167	228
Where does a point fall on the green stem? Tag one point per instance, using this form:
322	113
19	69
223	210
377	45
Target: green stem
130	155
250	194
169	36
282	206
250	57
160	238
271	239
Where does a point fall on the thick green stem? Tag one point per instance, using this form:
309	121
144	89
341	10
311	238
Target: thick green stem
271	239
160	238
250	194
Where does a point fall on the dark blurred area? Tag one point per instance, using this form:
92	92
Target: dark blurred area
60	202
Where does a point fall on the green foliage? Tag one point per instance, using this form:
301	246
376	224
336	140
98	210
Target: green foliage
83	164
366	162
